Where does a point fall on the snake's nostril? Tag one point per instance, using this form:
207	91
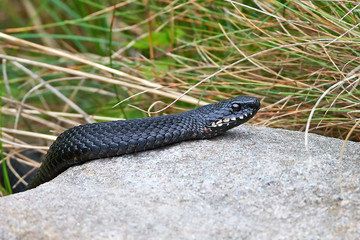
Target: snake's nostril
256	104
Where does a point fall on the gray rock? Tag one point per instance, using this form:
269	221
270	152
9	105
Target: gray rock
251	183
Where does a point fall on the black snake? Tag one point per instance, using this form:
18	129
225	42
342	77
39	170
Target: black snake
108	139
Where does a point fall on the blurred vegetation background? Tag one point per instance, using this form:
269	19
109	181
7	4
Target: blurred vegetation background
66	63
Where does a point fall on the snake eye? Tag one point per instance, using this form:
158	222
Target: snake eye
236	107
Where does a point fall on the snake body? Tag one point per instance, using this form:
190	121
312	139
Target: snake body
108	139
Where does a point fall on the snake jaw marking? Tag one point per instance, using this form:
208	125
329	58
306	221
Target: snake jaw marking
109	139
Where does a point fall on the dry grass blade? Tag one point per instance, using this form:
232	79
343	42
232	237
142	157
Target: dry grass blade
27	133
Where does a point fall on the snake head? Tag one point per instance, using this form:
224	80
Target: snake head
227	114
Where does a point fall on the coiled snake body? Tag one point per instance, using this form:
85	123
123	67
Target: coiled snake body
108	139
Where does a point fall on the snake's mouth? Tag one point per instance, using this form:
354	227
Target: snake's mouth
229	121
235	120
225	121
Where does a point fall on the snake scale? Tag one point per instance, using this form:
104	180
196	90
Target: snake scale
108	139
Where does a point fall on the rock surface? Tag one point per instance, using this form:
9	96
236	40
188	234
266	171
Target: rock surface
251	183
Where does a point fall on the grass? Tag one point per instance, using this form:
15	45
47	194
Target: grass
69	63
